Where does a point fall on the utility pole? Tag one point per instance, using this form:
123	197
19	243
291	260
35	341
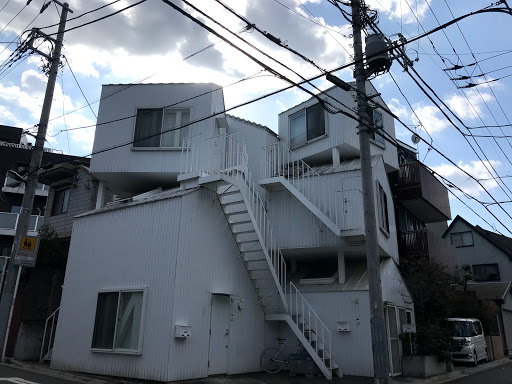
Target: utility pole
13	271
377	323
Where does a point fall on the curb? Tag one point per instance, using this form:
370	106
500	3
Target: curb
450	376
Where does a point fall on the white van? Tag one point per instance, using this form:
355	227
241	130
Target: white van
471	336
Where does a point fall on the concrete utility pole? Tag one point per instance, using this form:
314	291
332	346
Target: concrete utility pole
378	325
8	294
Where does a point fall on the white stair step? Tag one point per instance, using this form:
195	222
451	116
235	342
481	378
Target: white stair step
230	211
264	283
253	256
240	219
233	203
257	265
245	237
229	192
243	231
261	275
252	246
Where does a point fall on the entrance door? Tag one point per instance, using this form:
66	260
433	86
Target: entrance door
219	335
395	353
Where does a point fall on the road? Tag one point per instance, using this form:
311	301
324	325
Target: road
498	375
11	375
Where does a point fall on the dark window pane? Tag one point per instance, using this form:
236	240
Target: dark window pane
149	123
60	201
130	316
105	323
315	121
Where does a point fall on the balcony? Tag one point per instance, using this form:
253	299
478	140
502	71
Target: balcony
423	242
422	194
9	222
13	186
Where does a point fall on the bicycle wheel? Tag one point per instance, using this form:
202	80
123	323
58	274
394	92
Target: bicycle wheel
272	360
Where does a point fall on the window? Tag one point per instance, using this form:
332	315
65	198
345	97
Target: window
157	128
323	271
60	201
462	239
118	321
382	206
486	272
377	120
307	125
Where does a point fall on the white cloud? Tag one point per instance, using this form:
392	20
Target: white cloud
470	105
431	118
477	169
405	10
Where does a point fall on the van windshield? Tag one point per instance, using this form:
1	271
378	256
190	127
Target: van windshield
462	328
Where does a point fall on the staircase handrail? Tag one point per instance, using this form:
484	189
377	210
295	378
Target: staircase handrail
279	160
51	338
297	308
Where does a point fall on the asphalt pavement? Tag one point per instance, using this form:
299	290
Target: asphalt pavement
498	375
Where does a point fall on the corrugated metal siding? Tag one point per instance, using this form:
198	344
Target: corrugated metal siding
351	350
394	290
81	197
208	263
124	248
340	129
256	137
124	104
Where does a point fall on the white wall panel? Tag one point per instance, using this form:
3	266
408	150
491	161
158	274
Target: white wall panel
126	103
208	263
124	248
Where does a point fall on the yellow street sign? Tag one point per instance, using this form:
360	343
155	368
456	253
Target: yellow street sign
28	243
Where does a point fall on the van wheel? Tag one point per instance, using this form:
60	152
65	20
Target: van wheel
475	359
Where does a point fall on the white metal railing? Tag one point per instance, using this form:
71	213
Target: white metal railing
28	146
281	161
227	154
47	345
310	325
10	221
9	182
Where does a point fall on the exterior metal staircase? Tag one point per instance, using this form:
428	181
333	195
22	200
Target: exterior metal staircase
284	169
228	175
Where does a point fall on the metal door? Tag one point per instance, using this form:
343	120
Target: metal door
219	335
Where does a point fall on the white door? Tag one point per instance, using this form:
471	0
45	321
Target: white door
219	335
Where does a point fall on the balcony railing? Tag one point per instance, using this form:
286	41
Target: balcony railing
422	193
9	221
12	183
423	242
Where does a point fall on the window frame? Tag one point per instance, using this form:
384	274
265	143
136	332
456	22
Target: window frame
115	350
162	123
307	140
486	273
60	211
462	245
383	209
374	134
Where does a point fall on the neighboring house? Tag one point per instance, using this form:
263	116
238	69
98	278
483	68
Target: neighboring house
225	239
490	257
15	155
422	209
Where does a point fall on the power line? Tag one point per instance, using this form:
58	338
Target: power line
102	18
81	90
83	14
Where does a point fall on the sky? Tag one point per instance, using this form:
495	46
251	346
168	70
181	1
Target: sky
151	42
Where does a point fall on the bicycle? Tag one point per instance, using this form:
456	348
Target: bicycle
272	359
